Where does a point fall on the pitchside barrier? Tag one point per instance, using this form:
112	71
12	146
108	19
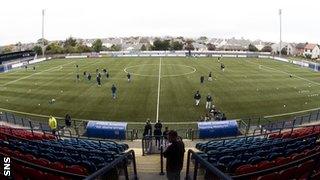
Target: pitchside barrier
302	63
246	126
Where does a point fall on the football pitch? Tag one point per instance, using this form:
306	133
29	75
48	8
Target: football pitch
161	88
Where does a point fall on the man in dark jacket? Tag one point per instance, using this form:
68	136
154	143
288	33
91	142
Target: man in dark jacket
158	132
174	154
197	97
147	129
68	120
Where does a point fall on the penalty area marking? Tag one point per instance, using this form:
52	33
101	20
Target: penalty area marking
173	75
291	113
25	77
263	67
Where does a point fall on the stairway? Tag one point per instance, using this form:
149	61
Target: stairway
148	166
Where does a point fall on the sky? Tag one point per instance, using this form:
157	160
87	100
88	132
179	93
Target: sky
20	20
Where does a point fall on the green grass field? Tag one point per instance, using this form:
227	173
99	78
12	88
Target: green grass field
248	87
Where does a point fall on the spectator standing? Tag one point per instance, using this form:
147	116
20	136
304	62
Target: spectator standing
174	154
147	129
146	135
67	120
165	135
53	124
157	132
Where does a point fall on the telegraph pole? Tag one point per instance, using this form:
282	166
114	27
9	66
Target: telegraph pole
280	13
43	48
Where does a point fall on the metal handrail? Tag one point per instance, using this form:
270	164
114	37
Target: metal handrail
209	167
148	138
115	163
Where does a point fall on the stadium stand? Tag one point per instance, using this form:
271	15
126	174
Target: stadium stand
293	154
72	158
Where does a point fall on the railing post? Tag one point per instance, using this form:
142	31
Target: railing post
40	124
195	173
143	145
31	128
161	161
310	117
134	165
188	166
318	114
6	117
192	134
126	174
14	118
22	120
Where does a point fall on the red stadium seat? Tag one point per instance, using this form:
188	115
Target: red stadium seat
244	169
272	176
288	173
265	165
281	160
34	174
42	162
316	176
305	169
295	157
28	157
57	165
76	169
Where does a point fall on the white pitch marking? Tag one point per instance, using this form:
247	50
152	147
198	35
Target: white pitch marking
25	77
290	113
285	73
163	76
159	87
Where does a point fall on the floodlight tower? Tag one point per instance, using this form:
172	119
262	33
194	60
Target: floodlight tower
280	13
43	33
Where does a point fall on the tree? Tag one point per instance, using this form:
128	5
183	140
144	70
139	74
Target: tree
252	48
7	49
211	47
266	49
115	47
143	48
284	51
41	41
83	48
37	49
176	45
97	45
203	38
161	45
54	48
70	42
189	45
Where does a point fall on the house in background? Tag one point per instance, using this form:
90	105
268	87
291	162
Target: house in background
291	49
300	48
312	50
